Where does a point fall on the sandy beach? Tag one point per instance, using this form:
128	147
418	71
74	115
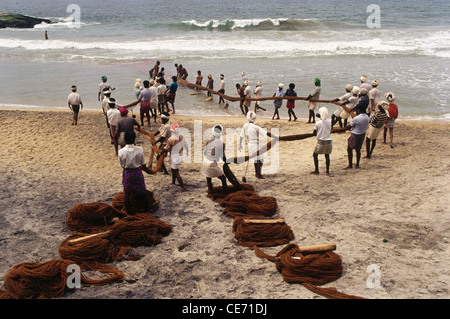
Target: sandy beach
392	212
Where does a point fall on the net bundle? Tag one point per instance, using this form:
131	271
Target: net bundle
139	230
49	279
263	233
309	269
97	248
91	217
248	203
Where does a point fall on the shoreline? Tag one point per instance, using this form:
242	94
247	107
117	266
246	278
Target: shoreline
60	109
392	212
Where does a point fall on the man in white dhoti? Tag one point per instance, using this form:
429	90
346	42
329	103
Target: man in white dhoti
214	151
175	145
253	133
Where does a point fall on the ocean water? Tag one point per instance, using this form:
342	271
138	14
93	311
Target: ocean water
408	50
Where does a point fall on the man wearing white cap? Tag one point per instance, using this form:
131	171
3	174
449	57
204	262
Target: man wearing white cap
258	94
374	97
336	116
253	133
248	94
364	84
221	88
359	126
322	129
75	103
376	125
278	102
162	135
105	104
392	114
214	152
176	144
363	103
113	119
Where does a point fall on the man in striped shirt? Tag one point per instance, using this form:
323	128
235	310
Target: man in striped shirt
376	124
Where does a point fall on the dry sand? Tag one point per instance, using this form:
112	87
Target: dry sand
392	212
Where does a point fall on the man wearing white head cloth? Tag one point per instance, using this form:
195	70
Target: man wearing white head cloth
253	133
176	144
214	152
376	124
374	97
364	84
322	130
258	94
162	135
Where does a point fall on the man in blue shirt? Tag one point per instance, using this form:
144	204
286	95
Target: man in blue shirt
359	126
171	92
364	101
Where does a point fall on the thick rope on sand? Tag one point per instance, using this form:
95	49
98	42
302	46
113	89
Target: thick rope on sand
310	270
96	248
249	204
49	279
220	193
139	230
250	233
91	217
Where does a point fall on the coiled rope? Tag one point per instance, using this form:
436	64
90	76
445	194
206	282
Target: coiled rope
269	232
309	269
248	203
49	279
91	217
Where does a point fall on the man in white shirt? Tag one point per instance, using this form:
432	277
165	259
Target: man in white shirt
248	95
221	88
145	100
132	160
336	116
104	85
322	129
153	99
113	119
359	126
162	104
105	104
364	84
162	135
253	133
374	97
214	152
75	103
258	94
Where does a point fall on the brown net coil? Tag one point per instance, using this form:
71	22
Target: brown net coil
263	233
309	269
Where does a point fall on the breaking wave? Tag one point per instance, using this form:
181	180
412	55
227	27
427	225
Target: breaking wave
283	24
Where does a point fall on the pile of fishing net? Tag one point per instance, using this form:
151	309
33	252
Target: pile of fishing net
101	234
256	226
311	267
